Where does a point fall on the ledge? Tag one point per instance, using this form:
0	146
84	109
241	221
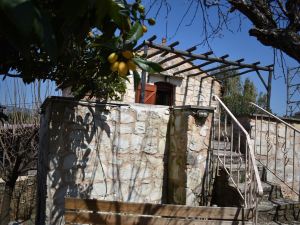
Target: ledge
80	102
194	107
52	99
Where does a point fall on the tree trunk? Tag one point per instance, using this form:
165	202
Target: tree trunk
6	200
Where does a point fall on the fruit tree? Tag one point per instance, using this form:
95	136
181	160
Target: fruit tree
85	45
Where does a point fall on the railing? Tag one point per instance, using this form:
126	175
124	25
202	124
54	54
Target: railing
275	145
235	153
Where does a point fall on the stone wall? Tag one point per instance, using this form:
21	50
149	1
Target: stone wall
24	198
189	142
276	146
188	91
115	152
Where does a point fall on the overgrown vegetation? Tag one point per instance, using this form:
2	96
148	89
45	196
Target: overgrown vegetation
18	154
237	95
69	42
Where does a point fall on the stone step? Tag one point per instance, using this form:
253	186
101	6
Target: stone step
265	186
221	145
227	153
237	171
283	211
276	222
233	157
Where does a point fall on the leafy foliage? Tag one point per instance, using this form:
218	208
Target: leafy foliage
237	95
69	42
262	100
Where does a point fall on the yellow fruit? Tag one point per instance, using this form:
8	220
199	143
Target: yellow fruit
123	69
151	21
141	8
114	66
113	57
145	29
131	65
127	54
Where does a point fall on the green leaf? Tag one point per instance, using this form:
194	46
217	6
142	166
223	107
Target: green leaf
150	67
102	8
72	10
43	29
119	13
136	79
135	33
112	44
24	23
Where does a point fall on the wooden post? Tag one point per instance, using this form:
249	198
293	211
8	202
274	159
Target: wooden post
143	79
269	89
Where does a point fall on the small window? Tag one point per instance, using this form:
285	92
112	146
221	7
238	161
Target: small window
164	93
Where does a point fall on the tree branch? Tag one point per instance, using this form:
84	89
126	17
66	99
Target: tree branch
11	75
285	40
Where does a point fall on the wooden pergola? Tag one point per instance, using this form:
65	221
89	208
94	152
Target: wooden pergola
215	64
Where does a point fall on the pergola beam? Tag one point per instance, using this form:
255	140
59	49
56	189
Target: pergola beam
213	69
179	64
188	56
207	58
262	79
224	71
209	70
157	52
198	66
152	38
235	75
175	56
172	45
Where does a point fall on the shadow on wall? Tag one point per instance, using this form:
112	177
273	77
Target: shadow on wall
69	155
96	152
202	91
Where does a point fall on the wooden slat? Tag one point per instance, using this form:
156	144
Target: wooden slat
111	219
227	213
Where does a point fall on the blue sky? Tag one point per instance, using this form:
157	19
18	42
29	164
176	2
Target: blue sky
13	92
238	44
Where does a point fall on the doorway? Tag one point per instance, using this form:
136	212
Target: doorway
164	93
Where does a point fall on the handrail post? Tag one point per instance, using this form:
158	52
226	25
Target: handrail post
143	80
269	89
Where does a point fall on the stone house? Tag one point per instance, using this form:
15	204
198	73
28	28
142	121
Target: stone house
165	151
154	152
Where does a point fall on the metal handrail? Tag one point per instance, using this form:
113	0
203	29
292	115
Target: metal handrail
275	117
251	151
281	173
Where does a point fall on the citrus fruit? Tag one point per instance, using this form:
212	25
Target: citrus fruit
127	54
131	65
123	69
151	21
114	66
145	29
113	57
141	8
